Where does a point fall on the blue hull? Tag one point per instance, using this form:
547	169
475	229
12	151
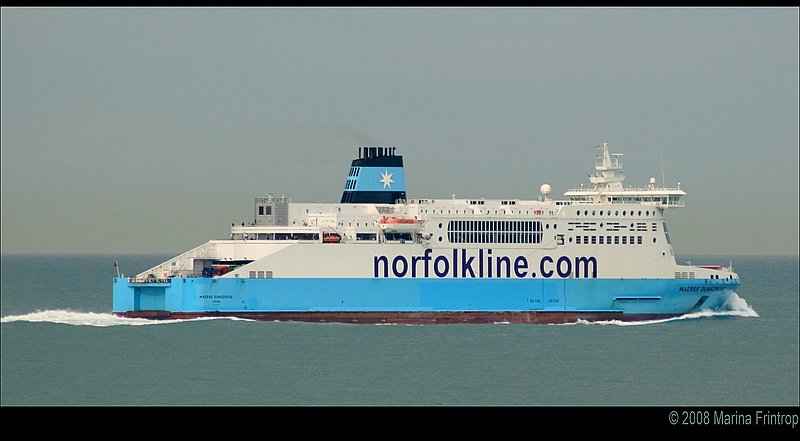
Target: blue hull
384	299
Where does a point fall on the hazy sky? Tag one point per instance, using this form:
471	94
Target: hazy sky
151	130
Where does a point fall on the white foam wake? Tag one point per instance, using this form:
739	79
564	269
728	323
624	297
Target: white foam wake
735	306
95	319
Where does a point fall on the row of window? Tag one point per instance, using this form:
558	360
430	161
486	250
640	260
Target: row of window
350	184
609	226
265	210
354	171
358	224
537	211
608	240
512	225
616	213
494	231
508	237
640	199
275	236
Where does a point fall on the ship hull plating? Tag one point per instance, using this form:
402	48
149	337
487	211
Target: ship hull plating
411	318
419	301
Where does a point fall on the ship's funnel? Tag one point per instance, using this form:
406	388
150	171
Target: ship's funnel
375	177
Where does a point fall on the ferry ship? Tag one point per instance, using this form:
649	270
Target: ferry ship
602	252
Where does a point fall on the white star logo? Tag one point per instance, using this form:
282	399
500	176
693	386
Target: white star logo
386	179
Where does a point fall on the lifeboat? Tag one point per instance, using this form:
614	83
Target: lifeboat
398	220
398	224
331	238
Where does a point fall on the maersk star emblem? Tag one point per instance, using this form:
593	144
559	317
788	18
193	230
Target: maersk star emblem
386	179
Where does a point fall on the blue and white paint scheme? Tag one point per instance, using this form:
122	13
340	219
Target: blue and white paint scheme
604	252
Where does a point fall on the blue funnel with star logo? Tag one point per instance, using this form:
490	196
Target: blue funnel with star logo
375	177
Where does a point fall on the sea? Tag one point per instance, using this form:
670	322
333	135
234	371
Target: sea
61	346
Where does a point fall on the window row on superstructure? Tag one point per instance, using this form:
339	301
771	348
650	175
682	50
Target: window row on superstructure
608	240
610	226
488	211
473	231
671	200
630	213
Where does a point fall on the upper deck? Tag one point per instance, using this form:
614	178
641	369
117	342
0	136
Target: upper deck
604	217
608	186
277	218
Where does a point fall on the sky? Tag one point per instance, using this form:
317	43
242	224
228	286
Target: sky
138	130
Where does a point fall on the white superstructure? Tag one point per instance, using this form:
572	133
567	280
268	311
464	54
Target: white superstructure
624	228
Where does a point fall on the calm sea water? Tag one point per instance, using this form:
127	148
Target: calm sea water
60	346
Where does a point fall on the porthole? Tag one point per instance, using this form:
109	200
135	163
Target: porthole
570	240
440	238
654	240
440	225
624	212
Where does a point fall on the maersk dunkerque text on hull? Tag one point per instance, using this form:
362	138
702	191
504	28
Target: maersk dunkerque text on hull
601	253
